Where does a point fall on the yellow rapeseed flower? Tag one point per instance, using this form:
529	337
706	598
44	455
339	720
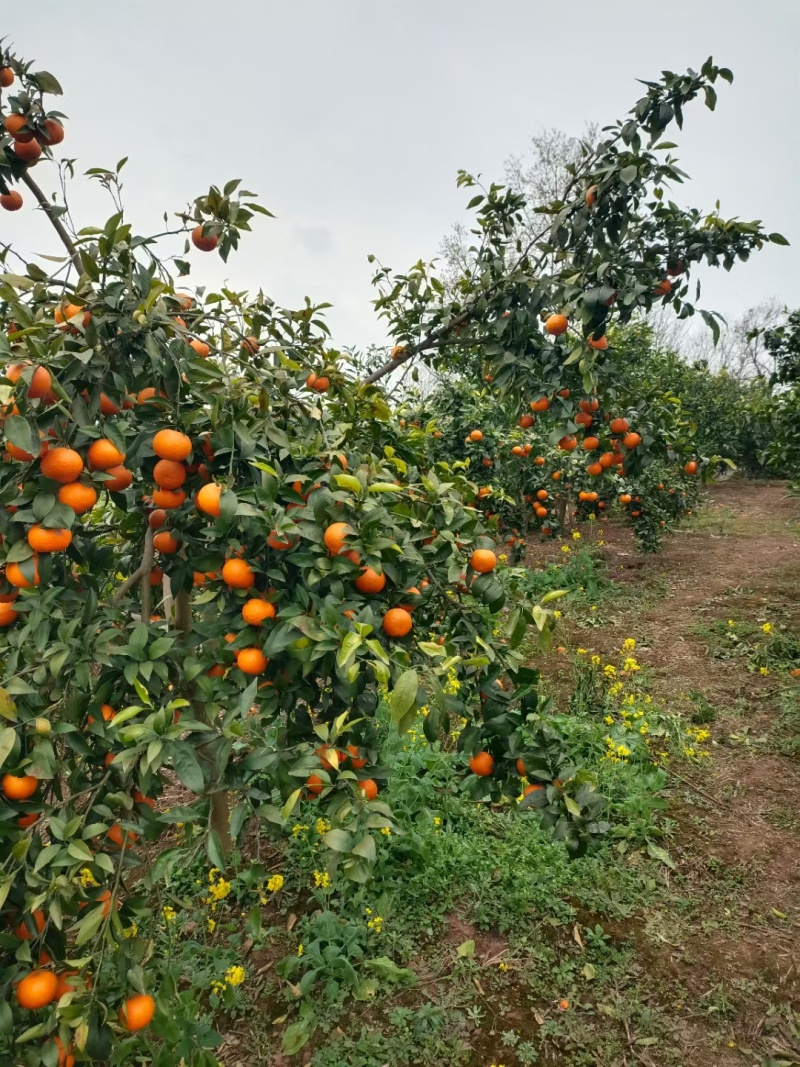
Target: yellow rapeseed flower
322	879
275	883
87	879
576	535
169	914
235	975
767	628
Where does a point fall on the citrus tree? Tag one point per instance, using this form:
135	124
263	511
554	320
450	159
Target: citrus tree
219	555
214	566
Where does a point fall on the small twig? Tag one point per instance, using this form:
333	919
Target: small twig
58	226
143	570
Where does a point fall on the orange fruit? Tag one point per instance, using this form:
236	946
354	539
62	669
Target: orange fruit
51	132
369	581
631	440
517	450
237	574
15	576
606	460
205	242
319	383
65	1057
41	383
39	921
315	784
369	787
168	498
43	540
582	419
280	544
251	661
521	768
483	560
121	478
27	151
17	125
208	499
568	443
157	519
37	989
690	467
619	426
166	543
255	611
397	622
62	465
167	474
7	614
172	444
476	435
356	760
532	788
539	461
591	195
62	315
79	497
334	537
6	77
137	1012
594	469
250	344
201	348
482	764
556	325
625	498
526	421
599	343
591	443
398	351
542	404
663	287
118	837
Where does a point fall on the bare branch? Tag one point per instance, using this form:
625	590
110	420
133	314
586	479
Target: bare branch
58	226
142	571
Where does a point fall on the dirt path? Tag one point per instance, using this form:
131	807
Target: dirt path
730	956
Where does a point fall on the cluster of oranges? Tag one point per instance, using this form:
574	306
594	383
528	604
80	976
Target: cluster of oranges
31	131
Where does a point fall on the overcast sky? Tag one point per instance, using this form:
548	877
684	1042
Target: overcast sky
350	119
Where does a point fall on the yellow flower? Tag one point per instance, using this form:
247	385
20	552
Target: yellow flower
610	671
631	665
212	925
300	950
629	644
322	879
168	913
322	826
212	874
503	558
86	878
275	883
235	975
130	931
219	890
593	607
595	661
557	614
503	966
767	628
386	831
581	651
731	622
437	821
609	719
298	828
375	924
565	549
576	535
763	671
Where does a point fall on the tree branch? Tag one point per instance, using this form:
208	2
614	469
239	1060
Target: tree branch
142	571
58	226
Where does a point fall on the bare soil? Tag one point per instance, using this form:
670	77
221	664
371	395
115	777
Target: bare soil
733	960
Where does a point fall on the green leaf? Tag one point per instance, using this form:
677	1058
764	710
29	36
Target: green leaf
8	709
47	82
660	854
288	807
214	850
296	1036
22	434
8	738
403	699
385	487
184	761
778	239
338	840
347	481
628	174
387	969
466	950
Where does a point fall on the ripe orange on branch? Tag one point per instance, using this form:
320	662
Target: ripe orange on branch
37	989
104	454
137	1012
42	539
172	444
208	499
556	325
482	764
397	622
238	574
483	560
205	242
121	478
18	787
168	474
62	465
370	581
255	611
